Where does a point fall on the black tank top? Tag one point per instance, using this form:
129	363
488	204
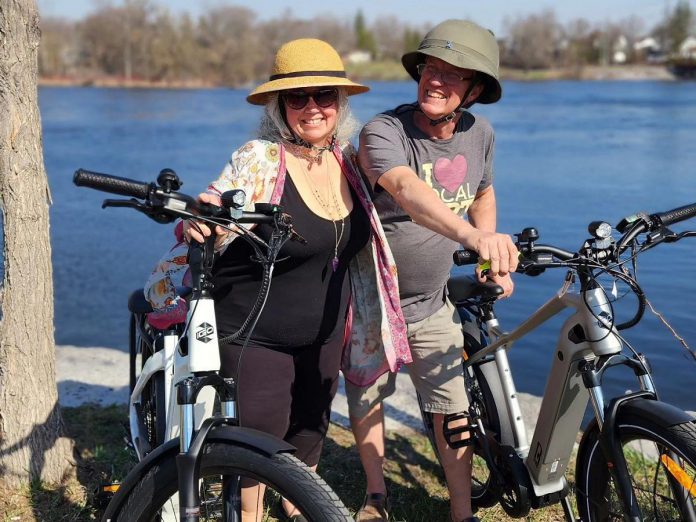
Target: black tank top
307	302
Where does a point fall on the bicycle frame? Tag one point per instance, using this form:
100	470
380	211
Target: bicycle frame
174	366
583	338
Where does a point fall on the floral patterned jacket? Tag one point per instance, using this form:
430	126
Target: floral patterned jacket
376	332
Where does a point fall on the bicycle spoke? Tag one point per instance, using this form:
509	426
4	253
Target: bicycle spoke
657	480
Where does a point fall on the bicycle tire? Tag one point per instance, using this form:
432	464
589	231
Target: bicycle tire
483	492
281	472
644	442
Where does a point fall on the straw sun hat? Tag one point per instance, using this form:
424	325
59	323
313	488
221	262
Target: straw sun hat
306	62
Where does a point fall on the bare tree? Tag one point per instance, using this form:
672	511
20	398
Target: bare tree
579	48
230	39
633	28
58	51
533	41
389	32
31	429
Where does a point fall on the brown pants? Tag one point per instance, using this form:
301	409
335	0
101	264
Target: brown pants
286	394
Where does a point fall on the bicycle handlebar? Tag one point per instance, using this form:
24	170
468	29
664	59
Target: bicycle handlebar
676	215
112	184
540	255
164	204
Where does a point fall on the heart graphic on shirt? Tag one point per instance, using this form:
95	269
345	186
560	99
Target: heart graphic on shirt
451	174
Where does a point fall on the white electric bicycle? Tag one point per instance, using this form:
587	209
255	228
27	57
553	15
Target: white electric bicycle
193	461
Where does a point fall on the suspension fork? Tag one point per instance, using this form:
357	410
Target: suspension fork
188	460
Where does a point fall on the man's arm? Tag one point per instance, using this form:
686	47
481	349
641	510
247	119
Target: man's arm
482	212
426	209
482	215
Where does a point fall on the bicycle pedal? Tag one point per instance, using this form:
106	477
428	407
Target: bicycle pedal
105	493
454	435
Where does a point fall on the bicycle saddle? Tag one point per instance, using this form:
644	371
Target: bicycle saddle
137	303
462	287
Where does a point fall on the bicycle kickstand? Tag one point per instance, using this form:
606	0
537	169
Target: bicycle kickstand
568	510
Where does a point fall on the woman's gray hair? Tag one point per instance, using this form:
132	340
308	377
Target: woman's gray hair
273	127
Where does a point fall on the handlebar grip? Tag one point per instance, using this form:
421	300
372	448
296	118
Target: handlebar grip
676	215
111	184
255	218
465	257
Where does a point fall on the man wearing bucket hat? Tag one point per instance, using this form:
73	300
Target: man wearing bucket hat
339	285
431	165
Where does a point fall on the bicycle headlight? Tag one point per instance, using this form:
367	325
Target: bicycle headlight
600	229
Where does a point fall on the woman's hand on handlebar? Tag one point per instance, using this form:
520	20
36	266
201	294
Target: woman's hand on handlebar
195	230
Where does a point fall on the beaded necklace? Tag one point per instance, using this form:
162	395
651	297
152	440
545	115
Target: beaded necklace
311	153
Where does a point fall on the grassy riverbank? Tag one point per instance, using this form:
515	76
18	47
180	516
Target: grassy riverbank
416	481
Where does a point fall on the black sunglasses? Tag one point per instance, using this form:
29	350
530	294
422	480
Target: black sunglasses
297	100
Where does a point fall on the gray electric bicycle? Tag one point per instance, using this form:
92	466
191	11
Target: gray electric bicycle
637	458
198	475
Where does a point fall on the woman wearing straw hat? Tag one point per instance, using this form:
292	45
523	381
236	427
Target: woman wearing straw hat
337	290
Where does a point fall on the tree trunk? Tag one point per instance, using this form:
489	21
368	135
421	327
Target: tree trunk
32	439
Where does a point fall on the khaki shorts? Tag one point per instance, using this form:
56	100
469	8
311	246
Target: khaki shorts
436	371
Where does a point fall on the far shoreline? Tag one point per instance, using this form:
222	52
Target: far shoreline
377	72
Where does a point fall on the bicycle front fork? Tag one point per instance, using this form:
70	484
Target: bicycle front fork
190	446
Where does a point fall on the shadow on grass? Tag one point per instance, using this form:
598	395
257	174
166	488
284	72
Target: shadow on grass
101	451
98	452
414	477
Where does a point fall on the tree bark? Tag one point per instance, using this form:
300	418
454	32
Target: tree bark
32	436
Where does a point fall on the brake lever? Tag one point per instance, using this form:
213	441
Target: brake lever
149	211
130	203
662	234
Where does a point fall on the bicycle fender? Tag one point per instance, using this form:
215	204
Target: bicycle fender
657	412
254	439
168	450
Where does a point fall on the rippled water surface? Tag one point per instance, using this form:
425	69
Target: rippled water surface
567	153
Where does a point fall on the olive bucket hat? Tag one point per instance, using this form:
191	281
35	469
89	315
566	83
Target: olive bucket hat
463	44
306	62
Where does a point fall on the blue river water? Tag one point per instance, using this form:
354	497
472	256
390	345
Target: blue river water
567	153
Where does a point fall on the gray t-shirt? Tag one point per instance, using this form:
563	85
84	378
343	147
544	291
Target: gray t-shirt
456	168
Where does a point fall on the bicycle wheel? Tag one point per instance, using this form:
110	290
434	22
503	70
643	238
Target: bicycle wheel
152	400
661	461
284	476
483	492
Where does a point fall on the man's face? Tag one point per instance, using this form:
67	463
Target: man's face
442	87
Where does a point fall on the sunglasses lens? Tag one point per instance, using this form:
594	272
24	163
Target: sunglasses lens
296	100
326	97
299	99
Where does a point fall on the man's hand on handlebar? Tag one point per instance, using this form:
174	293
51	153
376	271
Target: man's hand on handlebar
498	249
195	230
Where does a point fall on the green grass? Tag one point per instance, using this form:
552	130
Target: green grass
415	479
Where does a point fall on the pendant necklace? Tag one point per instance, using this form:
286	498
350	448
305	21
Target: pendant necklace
332	208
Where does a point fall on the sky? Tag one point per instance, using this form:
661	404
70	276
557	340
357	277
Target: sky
489	13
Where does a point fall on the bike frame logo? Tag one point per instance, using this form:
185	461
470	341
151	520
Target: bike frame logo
205	332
